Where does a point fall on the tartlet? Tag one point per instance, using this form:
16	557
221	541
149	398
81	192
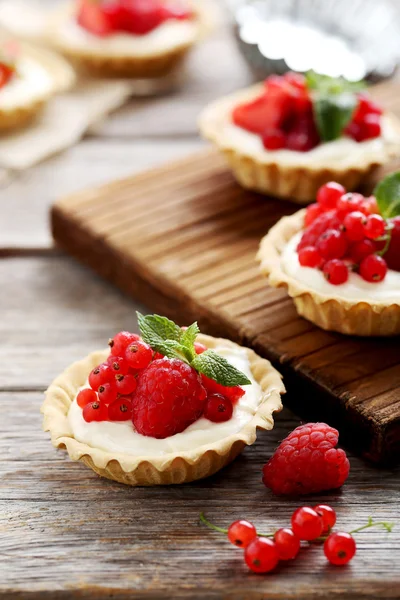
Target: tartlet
361	303
124	55
169	468
289	174
38	75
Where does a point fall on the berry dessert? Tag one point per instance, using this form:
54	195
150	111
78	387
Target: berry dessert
168	406
340	259
137	39
292	133
29	77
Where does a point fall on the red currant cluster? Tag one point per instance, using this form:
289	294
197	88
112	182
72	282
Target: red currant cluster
113	383
344	232
284	118
262	552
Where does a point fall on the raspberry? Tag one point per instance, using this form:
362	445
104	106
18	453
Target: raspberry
328	220
392	255
307	462
169	398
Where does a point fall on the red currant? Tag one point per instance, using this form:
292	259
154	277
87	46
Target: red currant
261	555
107	393
85	397
119	365
332	244
373	268
339	548
360	250
241	533
120	410
374	227
328	516
310	257
139	355
354	224
336	271
218	409
287	544
329	194
369	206
125	384
121	341
101	374
349	203
312	212
306	523
158	356
199	348
94	411
274	139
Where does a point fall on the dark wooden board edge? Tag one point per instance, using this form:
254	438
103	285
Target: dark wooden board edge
305	397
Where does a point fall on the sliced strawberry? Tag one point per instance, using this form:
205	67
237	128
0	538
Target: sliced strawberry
92	18
141	16
233	393
392	256
255	116
303	136
177	9
328	220
6	72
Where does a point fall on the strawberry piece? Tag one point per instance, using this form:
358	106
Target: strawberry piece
307	461
303	136
328	220
233	393
392	256
92	17
256	116
140	17
169	397
6	72
177	9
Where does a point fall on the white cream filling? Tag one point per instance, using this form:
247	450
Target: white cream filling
341	152
121	437
355	288
169	35
31	83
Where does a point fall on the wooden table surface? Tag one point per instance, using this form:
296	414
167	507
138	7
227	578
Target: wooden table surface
65	533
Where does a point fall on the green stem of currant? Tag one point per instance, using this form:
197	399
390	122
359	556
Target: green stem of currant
225	531
371	523
387	239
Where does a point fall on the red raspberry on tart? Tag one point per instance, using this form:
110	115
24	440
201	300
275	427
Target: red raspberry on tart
138	39
169	399
293	132
339	259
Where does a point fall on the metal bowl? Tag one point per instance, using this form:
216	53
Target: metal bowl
356	39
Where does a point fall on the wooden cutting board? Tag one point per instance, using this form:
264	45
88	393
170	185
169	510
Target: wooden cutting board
182	239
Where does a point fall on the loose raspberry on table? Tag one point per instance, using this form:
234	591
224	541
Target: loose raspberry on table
169	398
307	462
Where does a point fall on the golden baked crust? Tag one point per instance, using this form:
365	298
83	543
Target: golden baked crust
154	65
333	313
172	468
63	78
264	173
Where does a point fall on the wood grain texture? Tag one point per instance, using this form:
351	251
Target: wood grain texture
189	233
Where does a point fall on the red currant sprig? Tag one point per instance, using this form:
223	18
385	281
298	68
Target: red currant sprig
263	551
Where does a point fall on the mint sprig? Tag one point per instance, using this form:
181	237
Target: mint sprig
334	102
164	336
387	194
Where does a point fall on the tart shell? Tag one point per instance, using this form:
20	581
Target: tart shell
152	66
63	78
351	317
172	468
262	173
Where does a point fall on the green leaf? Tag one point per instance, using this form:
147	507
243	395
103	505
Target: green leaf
188	339
332	85
387	194
158	328
333	113
216	367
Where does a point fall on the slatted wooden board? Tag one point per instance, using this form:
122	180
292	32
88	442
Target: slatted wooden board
183	239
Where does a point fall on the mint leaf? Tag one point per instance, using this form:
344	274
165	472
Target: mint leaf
188	339
387	194
154	327
325	84
333	113
216	367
